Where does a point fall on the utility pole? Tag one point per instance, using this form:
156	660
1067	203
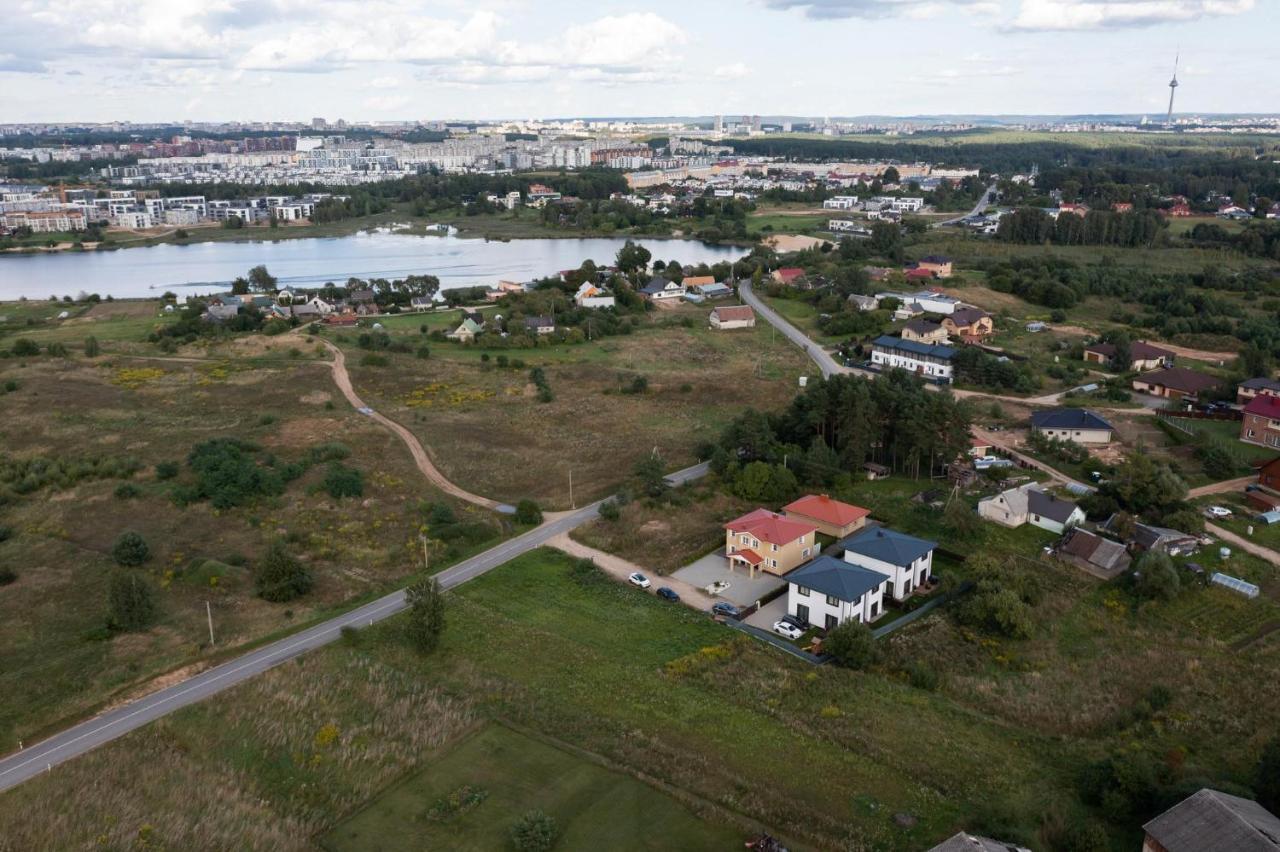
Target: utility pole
426	554
208	611
572	505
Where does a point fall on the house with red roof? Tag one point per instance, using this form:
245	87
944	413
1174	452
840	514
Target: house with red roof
831	517
1261	424
768	541
787	274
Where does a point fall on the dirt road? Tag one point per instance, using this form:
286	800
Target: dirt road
620	569
1224	487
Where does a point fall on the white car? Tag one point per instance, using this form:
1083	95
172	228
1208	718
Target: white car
638	579
787	629
1217	511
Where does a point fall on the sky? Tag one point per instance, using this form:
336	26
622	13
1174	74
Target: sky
368	60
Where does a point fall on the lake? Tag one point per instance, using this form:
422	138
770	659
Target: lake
306	262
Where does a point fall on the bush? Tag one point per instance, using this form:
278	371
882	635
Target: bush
342	481
372	360
851	645
228	474
6	533
424	352
10	385
280	577
56	350
130	549
130	602
1156	577
91	348
610	511
127	491
534	832
528	512
25	348
426	614
7	575
922	676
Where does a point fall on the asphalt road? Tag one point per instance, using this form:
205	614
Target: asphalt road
828	365
43	756
977	208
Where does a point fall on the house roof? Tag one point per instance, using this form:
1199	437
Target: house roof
786	273
824	509
1094	549
734	313
1068	418
770	526
919	272
749	556
539	322
1048	506
1209	821
699	280
1264	405
1261	383
920	326
1147	536
915	347
968	316
657	285
887	545
935	258
1180	379
835	577
962	842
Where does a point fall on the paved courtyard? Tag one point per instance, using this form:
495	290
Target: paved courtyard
768	614
742	591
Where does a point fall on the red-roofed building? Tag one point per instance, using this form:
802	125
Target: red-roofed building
769	541
918	274
831	517
1122	207
1179	210
1078	209
1261	424
788	274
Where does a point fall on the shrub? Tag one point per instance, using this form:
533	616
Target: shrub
342	481
535	831
228	474
130	549
6	533
91	348
10	385
166	470
610	511
25	348
127	491
426	614
528	512
922	676
7	575
423	352
545	395
56	350
329	451
1156	577
130	602
266	419
280	577
851	645
372	360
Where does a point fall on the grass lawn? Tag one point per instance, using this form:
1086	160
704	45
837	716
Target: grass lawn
594	807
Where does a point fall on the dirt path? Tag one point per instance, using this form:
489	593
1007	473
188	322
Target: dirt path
619	569
1199	354
1244	544
996	439
343	380
1222	487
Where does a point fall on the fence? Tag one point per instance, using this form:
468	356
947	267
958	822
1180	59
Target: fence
1233	414
921	611
777	642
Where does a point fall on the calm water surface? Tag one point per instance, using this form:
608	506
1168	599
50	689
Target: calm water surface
206	267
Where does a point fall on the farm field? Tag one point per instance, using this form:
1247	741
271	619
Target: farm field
593	807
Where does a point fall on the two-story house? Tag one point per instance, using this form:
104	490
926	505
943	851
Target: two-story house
767	541
828	592
832	517
661	290
969	324
927	359
906	560
1261	424
1250	388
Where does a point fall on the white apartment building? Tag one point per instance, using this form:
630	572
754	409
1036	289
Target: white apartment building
841	202
906	560
926	359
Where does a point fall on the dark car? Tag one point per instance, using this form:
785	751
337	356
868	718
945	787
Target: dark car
724	608
791	619
668	594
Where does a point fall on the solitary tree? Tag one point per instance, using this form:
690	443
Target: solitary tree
1157	576
535	831
91	348
632	257
528	512
260	279
280	577
851	645
130	549
426	614
130	601
649	472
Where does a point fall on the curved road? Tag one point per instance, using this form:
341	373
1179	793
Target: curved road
977	208
43	756
343	380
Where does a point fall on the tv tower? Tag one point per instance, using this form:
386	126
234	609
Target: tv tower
1173	87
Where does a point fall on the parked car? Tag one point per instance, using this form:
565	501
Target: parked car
1217	511
724	608
638	579
793	619
668	594
787	629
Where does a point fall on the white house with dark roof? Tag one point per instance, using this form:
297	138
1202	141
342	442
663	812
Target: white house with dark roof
906	560
828	592
661	290
1031	504
1072	424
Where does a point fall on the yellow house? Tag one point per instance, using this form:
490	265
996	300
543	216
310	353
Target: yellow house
767	541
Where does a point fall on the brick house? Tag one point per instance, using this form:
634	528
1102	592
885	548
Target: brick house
1261	424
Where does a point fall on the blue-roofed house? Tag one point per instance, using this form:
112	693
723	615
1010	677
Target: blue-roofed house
1072	424
906	560
927	359
829	591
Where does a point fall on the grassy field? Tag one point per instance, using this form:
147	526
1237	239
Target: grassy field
489	433
594	808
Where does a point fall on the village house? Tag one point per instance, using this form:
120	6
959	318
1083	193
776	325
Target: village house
661	290
1093	553
1210	821
828	592
831	517
1175	383
926	359
1142	356
1030	504
1072	424
728	317
590	296
1265	493
964	842
923	331
695	283
906	560
1122	207
969	324
1261	423
939	266
1250	388
787	275
864	303
1162	540
539	325
770	542
468	329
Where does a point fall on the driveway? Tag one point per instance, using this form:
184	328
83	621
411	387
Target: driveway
768	614
620	569
743	590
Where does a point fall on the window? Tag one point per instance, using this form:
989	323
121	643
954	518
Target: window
805	553
832	622
875	609
773	563
832	600
773	547
746	539
802	591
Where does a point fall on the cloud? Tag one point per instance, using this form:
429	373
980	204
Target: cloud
829	9
12	62
731	72
1040	15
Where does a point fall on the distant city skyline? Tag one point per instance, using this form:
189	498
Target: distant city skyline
369	60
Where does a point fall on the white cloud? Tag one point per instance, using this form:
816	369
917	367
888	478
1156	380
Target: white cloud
384	83
731	72
827	9
1107	14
